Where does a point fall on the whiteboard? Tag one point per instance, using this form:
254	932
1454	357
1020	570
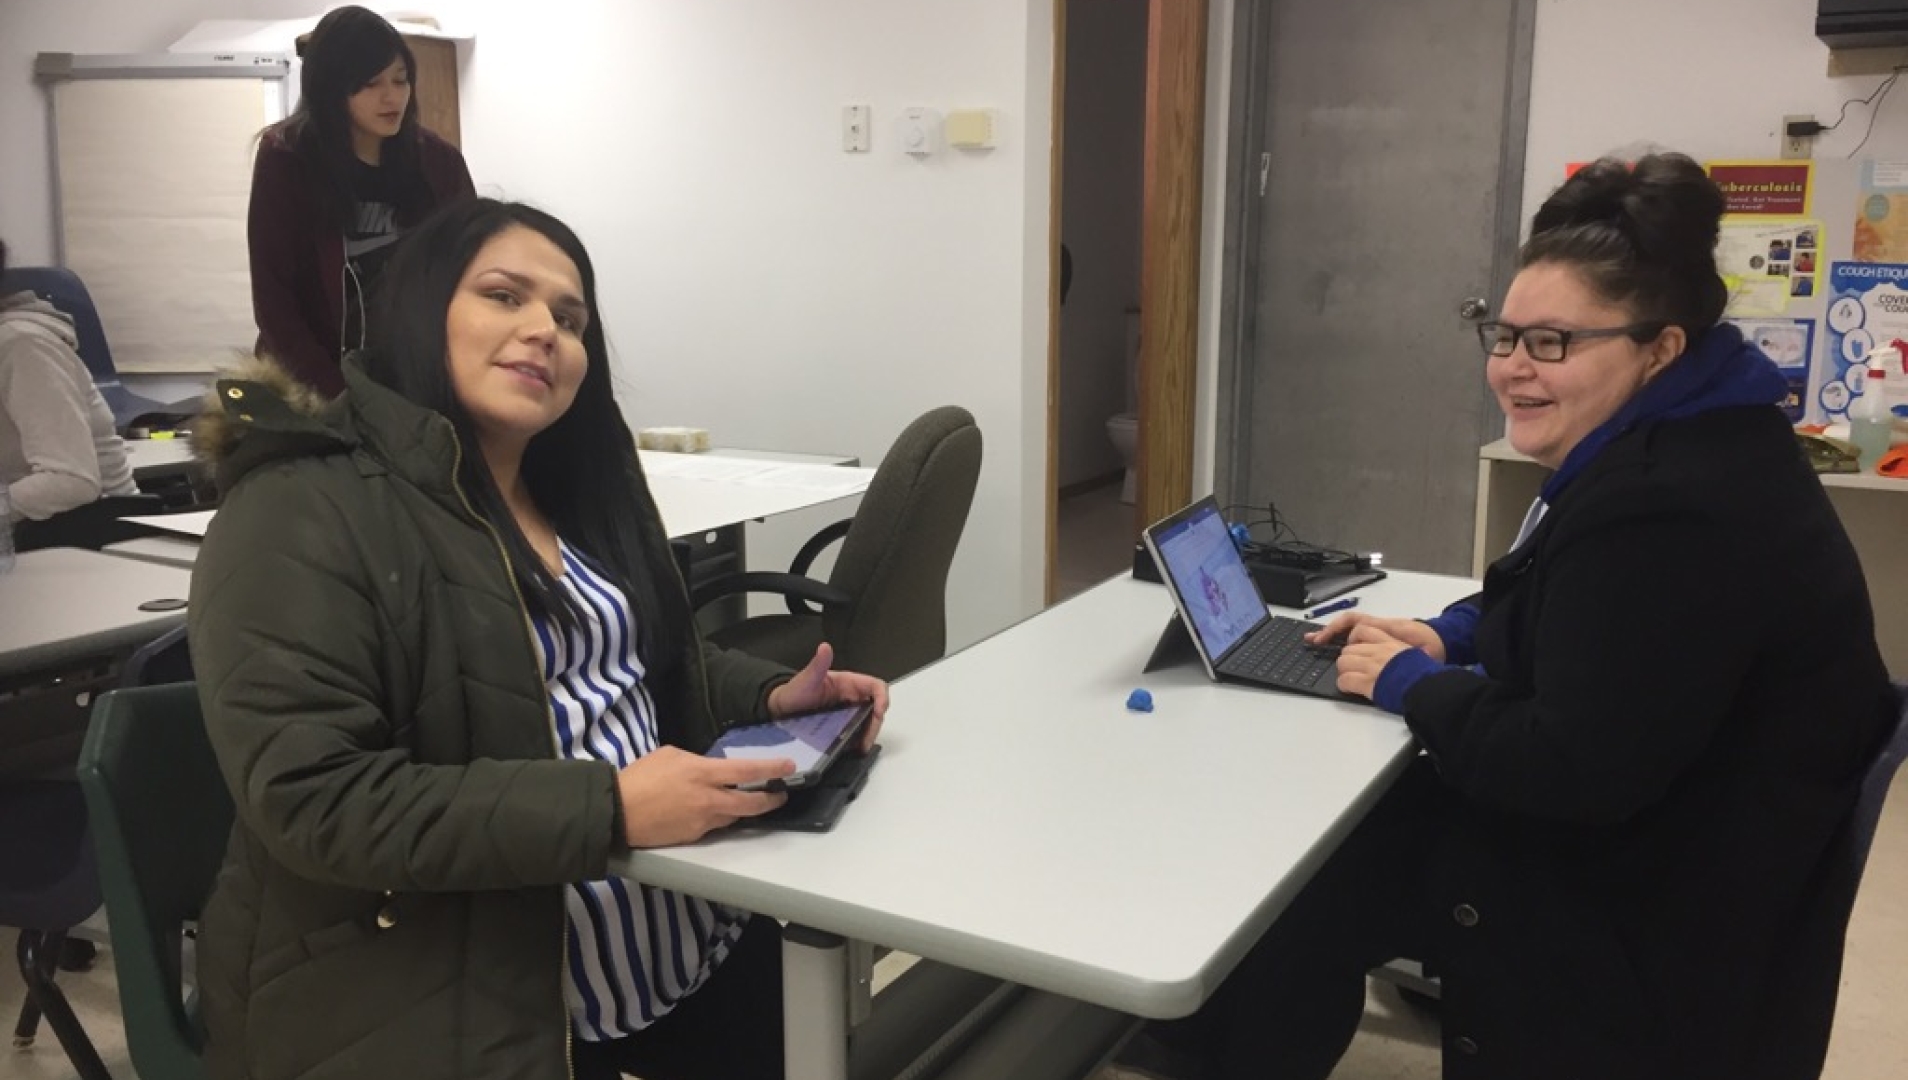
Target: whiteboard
153	176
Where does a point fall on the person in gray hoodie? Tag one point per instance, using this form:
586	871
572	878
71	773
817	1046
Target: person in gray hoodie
58	448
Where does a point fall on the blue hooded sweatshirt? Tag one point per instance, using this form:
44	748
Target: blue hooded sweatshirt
1720	370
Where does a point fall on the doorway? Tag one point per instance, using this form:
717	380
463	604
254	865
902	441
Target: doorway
1101	188
1378	218
1172	157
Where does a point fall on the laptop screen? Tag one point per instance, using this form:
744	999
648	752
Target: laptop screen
1210	578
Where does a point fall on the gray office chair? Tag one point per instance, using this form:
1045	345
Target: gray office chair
1868	808
884	608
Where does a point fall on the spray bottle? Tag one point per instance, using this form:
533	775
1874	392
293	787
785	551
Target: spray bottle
1870	423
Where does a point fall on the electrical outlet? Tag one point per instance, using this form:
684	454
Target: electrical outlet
854	129
1795	146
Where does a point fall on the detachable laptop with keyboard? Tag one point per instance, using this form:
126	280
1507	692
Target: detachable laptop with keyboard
1236	637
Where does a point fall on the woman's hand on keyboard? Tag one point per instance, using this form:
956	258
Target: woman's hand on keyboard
1367	649
1345	630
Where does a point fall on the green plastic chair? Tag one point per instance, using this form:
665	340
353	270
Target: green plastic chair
161	816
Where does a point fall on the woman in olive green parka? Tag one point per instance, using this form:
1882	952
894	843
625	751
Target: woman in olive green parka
376	616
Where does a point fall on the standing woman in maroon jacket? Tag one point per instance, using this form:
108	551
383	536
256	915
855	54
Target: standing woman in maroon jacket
335	184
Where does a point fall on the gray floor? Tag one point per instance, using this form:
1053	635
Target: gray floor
1095	540
1397	1040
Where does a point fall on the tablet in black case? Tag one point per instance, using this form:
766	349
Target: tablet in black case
816	808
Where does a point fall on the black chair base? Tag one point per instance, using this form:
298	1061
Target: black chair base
39	953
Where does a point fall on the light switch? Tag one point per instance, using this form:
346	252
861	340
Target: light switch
920	131
854	129
971	129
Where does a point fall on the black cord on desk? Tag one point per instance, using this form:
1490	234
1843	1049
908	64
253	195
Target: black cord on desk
1285	540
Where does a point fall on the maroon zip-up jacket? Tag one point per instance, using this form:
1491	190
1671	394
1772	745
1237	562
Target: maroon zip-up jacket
297	255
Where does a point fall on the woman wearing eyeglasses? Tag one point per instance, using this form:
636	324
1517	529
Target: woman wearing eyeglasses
1642	739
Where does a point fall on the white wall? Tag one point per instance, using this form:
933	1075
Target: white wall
758	281
30	27
754	279
1710	78
1105	140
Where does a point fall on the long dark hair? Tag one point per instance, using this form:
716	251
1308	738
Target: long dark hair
582	470
349	47
1643	237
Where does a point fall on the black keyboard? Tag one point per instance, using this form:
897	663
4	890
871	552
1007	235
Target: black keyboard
1278	654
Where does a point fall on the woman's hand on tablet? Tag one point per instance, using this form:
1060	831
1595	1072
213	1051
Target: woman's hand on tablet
671	796
817	687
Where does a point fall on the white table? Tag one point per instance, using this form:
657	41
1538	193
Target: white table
704	498
160	453
1023	824
788	457
1874	510
758	486
180	551
59	603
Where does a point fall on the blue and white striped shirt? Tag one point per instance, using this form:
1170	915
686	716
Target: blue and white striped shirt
634	951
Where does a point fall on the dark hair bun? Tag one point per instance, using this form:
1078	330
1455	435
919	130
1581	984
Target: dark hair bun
1665	205
1643	236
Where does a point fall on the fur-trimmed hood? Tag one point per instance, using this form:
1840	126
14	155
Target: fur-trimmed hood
222	424
257	414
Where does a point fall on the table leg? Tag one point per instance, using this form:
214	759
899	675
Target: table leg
814	1004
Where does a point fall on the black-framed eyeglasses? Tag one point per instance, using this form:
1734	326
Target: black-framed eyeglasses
1549	344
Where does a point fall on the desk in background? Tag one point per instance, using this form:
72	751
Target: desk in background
702	506
67	619
59	603
1874	510
176	551
705	500
1023	824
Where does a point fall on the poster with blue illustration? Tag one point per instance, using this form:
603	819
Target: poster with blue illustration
1791	344
1868	307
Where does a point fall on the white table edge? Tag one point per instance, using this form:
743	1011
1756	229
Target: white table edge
137	628
34	657
1155	999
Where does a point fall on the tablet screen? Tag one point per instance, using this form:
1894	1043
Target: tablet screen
805	740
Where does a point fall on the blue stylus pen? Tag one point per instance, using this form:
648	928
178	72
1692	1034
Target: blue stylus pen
1338	605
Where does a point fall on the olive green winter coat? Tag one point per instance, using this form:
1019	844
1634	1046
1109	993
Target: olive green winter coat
391	901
